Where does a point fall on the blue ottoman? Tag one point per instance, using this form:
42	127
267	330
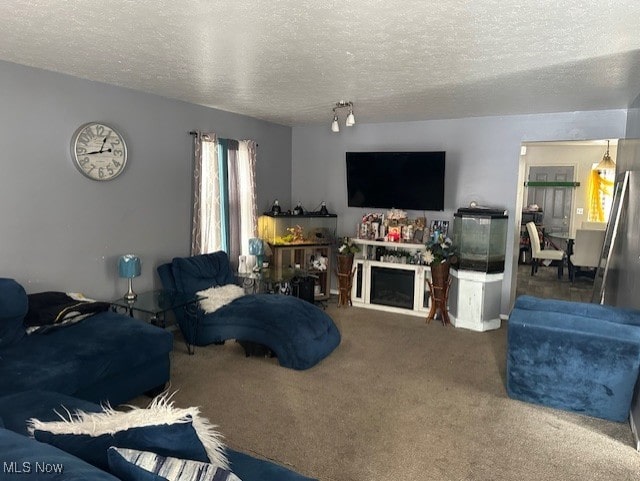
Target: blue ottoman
574	356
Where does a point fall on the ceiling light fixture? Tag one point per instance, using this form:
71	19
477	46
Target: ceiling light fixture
351	119
607	162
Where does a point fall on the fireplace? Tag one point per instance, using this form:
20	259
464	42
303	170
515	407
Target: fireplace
392	287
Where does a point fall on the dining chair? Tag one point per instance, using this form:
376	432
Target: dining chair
538	254
587	251
594	225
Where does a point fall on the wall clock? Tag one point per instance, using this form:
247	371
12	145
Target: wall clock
98	151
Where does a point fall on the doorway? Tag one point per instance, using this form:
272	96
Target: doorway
563	209
555	202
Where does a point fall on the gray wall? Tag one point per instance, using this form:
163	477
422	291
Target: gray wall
62	231
482	161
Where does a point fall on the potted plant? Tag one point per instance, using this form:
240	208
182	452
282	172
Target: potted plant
438	255
440	250
347	247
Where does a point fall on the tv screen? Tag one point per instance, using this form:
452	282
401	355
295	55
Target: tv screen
401	180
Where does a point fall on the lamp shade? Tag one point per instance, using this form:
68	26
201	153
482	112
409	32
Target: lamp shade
334	125
351	120
607	162
129	266
255	246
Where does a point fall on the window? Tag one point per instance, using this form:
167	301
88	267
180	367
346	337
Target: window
224	201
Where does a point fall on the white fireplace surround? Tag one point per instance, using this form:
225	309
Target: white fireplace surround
362	282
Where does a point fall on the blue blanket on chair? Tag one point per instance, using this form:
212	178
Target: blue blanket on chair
298	332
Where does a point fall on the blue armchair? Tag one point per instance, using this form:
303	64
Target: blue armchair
574	356
297	332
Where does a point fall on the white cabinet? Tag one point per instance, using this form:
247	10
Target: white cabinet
474	299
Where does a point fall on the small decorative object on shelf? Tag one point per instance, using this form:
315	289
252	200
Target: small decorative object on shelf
345	271
296	234
275	208
440	252
298	210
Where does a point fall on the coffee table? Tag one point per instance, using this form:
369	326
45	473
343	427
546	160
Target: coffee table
157	303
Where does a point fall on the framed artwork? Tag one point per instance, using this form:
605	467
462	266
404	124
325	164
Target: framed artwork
395	233
442	226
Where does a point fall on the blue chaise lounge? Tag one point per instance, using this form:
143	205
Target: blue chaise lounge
297	332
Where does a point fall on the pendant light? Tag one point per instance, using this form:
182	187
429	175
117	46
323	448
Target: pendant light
607	162
350	120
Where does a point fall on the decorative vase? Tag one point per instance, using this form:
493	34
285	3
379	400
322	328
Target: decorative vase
440	274
345	276
439	290
345	263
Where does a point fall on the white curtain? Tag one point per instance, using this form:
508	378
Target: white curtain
206	234
247	193
224	203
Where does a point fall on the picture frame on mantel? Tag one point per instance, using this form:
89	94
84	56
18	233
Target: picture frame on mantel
441	226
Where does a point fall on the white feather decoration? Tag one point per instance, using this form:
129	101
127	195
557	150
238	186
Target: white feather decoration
160	410
216	297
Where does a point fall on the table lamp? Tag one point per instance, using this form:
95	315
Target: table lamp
256	248
129	267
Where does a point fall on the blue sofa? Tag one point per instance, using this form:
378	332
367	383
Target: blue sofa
106	357
299	333
574	356
20	453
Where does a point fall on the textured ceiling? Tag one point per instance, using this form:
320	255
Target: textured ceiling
289	61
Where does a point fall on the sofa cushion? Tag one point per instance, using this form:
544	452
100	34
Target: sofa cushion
134	465
13	307
67	360
196	273
17	408
160	428
28	459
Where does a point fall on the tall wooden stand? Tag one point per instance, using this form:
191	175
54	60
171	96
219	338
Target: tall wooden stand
439	292
345	279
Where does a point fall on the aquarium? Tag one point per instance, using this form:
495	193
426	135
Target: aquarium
480	238
289	229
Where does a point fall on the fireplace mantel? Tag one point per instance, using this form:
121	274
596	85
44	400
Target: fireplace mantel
366	265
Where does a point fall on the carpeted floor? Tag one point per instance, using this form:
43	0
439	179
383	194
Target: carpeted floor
398	399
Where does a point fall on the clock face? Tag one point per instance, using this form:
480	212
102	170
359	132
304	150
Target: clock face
98	151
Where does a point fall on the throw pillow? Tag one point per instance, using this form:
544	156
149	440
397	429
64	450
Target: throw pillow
50	310
216	297
161	428
134	465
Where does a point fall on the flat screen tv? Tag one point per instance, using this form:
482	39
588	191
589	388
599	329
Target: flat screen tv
401	180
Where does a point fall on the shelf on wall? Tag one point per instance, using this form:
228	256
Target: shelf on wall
551	184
